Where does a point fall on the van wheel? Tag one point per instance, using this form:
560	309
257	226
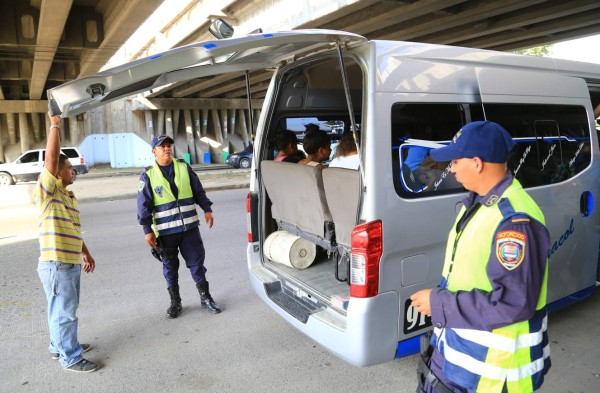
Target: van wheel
6	179
245	163
74	174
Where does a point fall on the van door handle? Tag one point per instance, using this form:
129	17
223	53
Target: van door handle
586	204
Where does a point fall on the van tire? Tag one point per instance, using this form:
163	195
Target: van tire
6	179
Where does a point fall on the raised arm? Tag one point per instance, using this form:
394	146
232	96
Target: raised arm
53	145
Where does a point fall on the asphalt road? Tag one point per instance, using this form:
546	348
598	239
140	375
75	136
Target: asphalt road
246	348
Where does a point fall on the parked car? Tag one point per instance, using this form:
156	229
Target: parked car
29	165
242	159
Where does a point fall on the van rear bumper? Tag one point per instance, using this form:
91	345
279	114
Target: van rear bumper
366	336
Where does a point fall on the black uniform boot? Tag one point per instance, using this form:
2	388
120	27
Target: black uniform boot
175	309
207	300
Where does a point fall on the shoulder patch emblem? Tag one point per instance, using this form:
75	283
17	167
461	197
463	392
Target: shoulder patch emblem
141	186
159	191
510	248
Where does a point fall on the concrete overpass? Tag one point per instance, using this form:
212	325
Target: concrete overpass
47	42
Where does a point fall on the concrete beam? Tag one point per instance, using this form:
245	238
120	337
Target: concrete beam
503	24
29	106
53	16
386	14
192	103
474	12
121	19
237	84
542	32
551	39
194	87
325	20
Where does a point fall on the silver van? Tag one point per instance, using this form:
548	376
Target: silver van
379	234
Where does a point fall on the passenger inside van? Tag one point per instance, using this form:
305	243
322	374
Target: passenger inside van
317	146
346	155
286	144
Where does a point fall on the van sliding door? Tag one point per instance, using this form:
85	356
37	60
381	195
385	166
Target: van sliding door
547	115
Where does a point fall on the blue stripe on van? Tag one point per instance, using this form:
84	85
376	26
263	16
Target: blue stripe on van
571	299
408	347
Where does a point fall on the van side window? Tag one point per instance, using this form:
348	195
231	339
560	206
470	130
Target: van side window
416	175
552	141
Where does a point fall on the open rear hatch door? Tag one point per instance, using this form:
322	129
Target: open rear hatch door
256	51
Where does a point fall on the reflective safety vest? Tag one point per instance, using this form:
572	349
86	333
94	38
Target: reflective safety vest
172	215
518	354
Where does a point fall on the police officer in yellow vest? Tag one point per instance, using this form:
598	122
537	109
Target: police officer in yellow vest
167	196
489	311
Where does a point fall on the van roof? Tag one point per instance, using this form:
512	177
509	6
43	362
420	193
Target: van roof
474	56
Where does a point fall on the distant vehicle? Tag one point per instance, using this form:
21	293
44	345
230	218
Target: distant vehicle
29	165
242	159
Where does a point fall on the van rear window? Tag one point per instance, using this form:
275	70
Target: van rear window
552	143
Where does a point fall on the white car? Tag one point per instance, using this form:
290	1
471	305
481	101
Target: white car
29	165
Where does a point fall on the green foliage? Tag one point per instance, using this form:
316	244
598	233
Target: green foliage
543	50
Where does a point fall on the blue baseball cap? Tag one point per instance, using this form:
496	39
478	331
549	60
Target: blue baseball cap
484	139
159	140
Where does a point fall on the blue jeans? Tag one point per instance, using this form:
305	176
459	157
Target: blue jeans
61	284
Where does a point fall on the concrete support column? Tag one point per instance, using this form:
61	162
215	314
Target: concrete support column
35	121
242	127
169	122
149	124
216	122
204	124
12	129
24	132
160	123
197	119
175	122
47	127
73	131
189	133
224	124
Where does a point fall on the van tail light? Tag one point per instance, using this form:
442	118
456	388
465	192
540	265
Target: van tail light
367	247
249	218
82	160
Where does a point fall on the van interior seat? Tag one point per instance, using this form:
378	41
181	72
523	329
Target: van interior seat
342	190
298	200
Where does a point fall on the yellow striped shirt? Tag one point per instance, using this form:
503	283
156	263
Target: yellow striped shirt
60	228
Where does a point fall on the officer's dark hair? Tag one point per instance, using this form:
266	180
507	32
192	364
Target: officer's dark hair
285	138
62	160
314	140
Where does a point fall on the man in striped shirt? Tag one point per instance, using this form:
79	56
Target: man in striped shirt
62	252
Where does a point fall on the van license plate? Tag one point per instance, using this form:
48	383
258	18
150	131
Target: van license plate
414	320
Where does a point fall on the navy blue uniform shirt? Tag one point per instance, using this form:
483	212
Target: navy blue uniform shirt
145	200
514	293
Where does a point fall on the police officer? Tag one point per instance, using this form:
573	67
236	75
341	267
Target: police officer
489	311
168	192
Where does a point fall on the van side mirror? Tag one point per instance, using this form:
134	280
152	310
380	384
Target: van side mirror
220	29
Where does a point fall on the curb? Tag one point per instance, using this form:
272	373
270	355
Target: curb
138	171
134	195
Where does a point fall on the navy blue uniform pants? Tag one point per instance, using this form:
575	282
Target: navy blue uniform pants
189	244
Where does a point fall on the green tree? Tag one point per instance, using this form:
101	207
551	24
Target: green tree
543	50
